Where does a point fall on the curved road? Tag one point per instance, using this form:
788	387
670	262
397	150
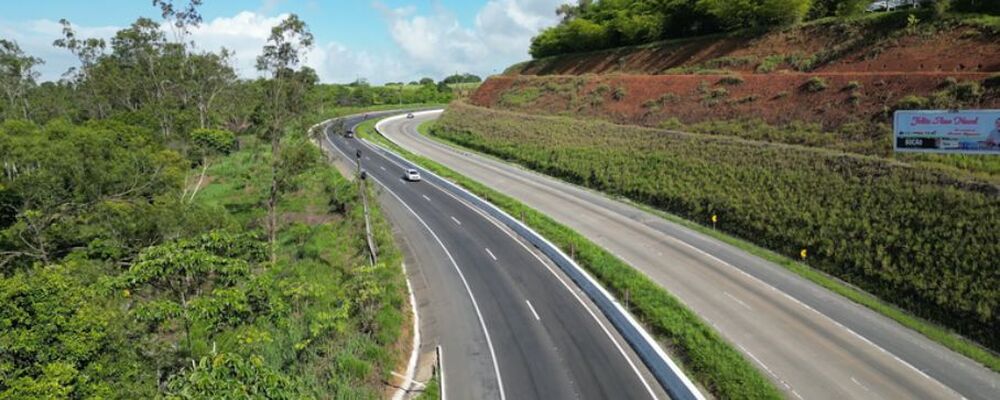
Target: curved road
510	325
813	343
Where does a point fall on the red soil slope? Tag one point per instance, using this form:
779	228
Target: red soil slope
776	98
831	47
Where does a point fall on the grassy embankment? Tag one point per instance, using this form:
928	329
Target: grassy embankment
887	227
338	323
711	361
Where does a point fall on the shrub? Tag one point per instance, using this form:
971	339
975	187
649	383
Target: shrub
782	94
968	91
815	85
731	80
770	63
834	198
911	102
855	98
993	82
619	93
853	85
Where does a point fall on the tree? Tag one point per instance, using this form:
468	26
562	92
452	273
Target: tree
757	13
17	75
209	143
426	81
228	375
285	47
174	278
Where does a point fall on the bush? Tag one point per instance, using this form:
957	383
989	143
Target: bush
815	85
619	93
731	80
911	102
853	85
833	199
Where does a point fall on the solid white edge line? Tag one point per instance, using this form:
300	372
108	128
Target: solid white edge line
765	284
533	312
475	305
441	391
559	278
411	366
628	316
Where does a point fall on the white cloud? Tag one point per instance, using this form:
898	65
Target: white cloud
430	45
438	44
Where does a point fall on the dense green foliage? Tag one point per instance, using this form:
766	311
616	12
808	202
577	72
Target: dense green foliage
601	24
133	216
707	358
918	237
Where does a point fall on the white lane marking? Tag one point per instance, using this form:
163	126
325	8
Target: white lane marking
537	318
857	382
411	365
456	220
737	300
758	280
468	290
491	254
383	168
425	197
593	315
810	308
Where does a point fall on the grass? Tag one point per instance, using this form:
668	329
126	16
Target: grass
706	356
334	341
432	391
929	329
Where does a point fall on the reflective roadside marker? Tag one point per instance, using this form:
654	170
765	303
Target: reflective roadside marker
803	254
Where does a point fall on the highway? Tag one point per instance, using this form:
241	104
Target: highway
813	343
510	325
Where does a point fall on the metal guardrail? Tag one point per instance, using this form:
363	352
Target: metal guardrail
667	373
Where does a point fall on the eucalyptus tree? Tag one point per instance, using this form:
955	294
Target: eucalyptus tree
17	76
284	50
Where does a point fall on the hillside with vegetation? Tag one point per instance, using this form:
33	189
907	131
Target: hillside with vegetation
779	125
168	230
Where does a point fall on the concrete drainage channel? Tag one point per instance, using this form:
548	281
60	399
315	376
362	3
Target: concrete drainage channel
666	372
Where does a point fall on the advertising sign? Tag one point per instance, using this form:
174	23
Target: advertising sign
942	131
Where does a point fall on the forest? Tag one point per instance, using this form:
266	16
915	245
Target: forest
168	230
918	237
601	24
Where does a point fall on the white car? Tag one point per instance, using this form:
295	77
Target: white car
409	116
412	175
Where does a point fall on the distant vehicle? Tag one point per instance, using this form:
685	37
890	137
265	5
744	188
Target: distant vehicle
409	116
412	175
349	134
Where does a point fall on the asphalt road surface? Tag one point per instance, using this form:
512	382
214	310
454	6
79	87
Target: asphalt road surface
813	343
510	325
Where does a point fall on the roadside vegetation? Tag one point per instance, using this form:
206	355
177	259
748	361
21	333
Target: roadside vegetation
167	230
919	238
711	361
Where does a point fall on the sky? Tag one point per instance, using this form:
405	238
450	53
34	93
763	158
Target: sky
379	40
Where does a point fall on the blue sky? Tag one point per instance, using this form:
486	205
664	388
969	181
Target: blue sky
381	40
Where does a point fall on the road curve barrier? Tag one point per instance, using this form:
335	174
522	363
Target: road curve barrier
667	373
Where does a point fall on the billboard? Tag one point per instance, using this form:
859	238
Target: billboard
943	131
